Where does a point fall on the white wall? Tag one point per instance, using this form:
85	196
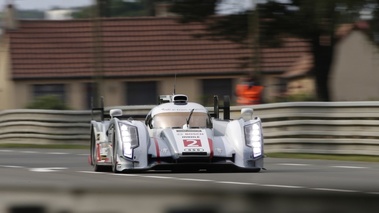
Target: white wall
6	85
65	14
355	75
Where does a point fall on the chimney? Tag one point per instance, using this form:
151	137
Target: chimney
10	21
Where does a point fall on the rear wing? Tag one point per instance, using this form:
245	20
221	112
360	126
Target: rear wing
225	108
98	109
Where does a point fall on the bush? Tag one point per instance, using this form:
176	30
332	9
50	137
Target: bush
300	97
294	98
47	102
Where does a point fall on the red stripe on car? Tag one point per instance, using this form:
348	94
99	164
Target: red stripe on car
210	142
157	148
98	152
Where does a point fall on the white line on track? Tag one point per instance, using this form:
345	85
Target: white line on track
283	186
349	167
234	183
6	150
197	180
48	169
128	175
373	193
334	190
106	173
57	153
12	166
90	172
341	167
293	164
29	152
158	177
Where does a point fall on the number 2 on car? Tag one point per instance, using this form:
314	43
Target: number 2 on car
192	143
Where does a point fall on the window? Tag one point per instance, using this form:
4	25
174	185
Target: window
219	87
141	93
281	85
178	119
91	95
49	89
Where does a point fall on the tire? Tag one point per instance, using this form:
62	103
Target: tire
114	155
91	151
257	170
96	168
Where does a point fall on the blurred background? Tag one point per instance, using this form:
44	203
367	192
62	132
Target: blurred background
65	53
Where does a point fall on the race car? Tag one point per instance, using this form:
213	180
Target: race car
177	135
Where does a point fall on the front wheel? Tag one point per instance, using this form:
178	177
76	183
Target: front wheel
114	157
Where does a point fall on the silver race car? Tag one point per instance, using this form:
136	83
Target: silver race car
177	135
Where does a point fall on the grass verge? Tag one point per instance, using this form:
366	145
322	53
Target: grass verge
45	146
365	158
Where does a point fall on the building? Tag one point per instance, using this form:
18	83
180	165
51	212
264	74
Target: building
133	59
59	14
299	81
356	69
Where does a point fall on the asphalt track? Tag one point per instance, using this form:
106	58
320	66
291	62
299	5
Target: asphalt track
58	179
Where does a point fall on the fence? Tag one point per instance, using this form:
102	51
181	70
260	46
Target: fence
298	127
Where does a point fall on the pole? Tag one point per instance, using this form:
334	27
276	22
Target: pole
97	89
253	18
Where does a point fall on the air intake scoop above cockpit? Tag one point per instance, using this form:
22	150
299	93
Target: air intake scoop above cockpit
179	99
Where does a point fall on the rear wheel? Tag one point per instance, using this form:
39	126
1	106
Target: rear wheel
96	168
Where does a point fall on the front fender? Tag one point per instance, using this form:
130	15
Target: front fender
243	154
140	153
99	130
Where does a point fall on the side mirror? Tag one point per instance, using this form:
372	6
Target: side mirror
115	112
247	114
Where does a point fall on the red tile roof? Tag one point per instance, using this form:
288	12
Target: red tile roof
300	68
133	47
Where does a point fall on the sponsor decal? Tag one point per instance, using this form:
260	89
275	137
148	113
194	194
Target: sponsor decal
164	150
181	109
189	130
192	142
193	149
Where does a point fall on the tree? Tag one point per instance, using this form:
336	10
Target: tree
27	14
314	21
117	8
47	102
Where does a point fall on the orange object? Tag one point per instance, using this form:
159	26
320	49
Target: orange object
247	95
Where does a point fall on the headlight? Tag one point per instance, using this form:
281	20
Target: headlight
253	138
129	137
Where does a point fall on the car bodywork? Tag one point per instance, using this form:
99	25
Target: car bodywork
177	135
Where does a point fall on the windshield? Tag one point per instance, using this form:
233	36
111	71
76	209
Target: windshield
178	119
